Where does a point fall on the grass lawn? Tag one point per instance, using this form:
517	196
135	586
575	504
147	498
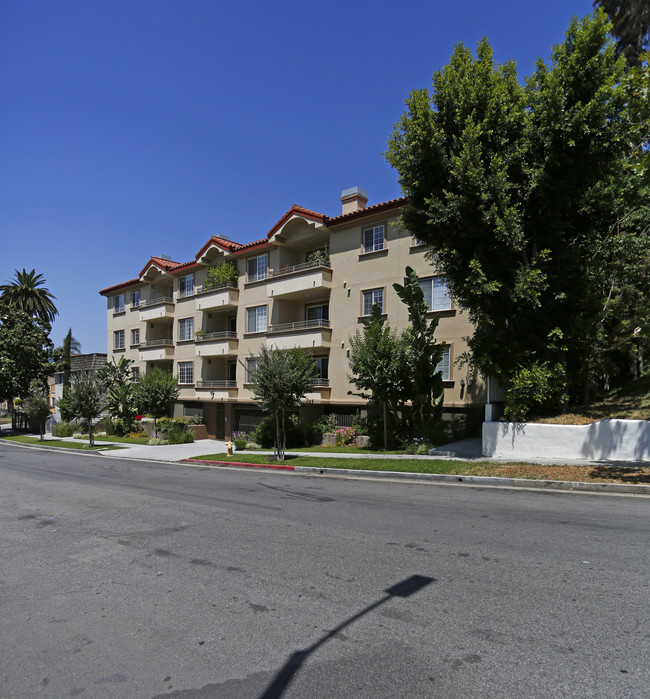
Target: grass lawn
587	474
121	440
56	443
332	449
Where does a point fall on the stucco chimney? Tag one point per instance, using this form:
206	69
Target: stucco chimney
353	199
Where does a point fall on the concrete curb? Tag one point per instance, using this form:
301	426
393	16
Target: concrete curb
566	486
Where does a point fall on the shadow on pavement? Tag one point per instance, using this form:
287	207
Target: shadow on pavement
405	588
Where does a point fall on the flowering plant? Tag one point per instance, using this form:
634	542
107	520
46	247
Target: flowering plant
344	436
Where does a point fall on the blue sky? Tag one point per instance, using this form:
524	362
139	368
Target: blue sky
131	129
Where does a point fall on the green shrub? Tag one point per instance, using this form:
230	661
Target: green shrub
535	390
64	429
328	422
174	430
220	274
240	440
263	433
156	441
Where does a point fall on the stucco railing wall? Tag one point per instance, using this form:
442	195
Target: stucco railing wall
606	440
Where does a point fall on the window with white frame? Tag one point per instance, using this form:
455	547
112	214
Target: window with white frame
186	285
185	329
436	293
135	298
135	373
322	368
185	372
251	368
256	319
319	311
444	365
370	298
118	303
373	239
135	337
257	268
118	339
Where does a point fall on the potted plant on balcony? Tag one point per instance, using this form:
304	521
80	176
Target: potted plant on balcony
319	257
222	274
200	334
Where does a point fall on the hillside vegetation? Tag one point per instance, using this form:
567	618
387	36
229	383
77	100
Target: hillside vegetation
628	402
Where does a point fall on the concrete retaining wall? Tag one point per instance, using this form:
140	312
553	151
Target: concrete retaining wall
615	440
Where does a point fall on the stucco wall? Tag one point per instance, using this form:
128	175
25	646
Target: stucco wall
616	440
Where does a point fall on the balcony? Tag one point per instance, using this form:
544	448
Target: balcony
296	280
156	350
224	296
156	308
219	343
220	389
305	333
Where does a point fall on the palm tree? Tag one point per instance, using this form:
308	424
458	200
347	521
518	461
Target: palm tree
27	293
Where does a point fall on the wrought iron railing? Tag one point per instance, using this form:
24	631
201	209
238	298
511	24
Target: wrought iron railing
300	325
216	383
297	268
320	382
217	287
221	335
154	302
165	342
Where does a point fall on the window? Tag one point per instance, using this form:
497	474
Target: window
186	286
373	239
118	303
232	324
258	268
185	329
185	372
318	312
417	242
135	298
251	368
135	373
232	371
135	337
444	365
370	298
436	293
322	367
118	339
256	319
58	379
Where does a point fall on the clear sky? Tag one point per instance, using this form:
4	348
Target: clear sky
142	127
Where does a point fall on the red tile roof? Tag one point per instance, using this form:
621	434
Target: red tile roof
368	211
224	243
121	285
165	265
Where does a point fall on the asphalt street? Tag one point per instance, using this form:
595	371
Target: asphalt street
132	579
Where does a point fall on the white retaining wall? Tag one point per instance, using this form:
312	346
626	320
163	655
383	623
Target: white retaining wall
606	440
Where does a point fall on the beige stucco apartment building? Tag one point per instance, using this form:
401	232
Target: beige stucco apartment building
309	283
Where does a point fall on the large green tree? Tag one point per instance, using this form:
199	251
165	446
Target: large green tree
121	391
26	352
519	189
279	383
27	293
630	26
37	406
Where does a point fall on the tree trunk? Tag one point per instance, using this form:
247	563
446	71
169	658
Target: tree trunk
91	436
385	427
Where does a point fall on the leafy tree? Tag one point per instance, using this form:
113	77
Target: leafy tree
279	384
27	293
26	352
630	26
37	406
426	388
155	394
70	345
518	191
87	399
379	362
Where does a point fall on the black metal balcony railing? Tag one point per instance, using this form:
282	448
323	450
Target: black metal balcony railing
217	287
296	268
165	342
300	325
154	302
216	383
221	335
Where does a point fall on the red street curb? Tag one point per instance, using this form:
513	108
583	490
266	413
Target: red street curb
239	463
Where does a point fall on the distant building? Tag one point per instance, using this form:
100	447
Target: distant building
79	364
